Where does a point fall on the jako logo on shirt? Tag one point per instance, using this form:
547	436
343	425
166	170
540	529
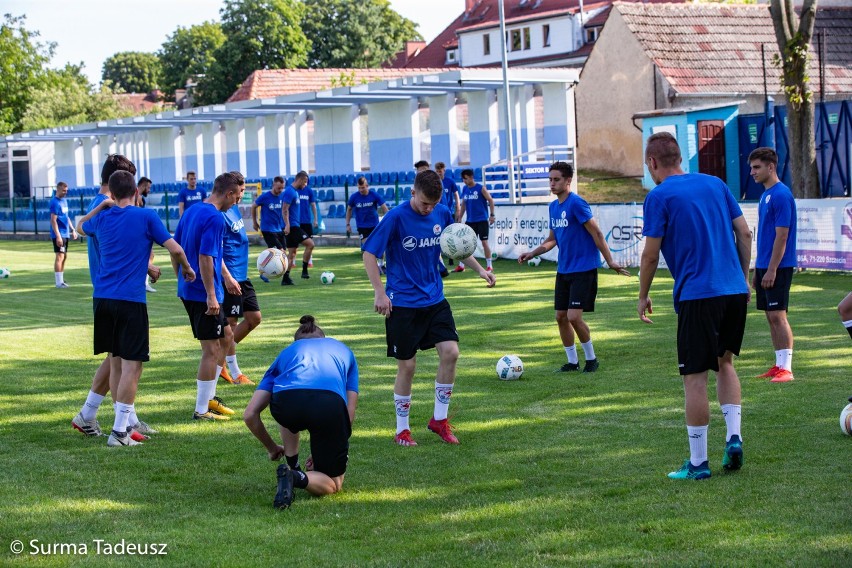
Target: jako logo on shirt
274	206
237	226
559	223
410	243
768	197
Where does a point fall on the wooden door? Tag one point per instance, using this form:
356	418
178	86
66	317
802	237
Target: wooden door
711	148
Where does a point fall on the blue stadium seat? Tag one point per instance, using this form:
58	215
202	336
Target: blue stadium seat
409	178
329	195
332	212
341	210
477	174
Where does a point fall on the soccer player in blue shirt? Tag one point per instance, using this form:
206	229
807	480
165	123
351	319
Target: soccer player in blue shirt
61	231
272	219
189	196
291	209
125	235
417	314
308	217
312	385
366	204
579	238
776	258
698	226
479	206
240	297
200	232
86	421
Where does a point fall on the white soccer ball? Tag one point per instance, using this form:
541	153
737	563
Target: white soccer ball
271	263
4	273
534	261
458	241
846	420
327	277
510	368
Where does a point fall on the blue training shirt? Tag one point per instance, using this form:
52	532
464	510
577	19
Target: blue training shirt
306	197
200	231
59	207
366	208
577	249
235	244
777	208
92	241
450	189
271	219
693	214
316	363
291	198
190	197
125	235
476	206
412	244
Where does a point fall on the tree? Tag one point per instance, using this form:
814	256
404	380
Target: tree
355	33
132	72
65	97
794	36
189	52
259	34
22	62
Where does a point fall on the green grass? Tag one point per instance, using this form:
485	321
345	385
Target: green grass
553	470
599	186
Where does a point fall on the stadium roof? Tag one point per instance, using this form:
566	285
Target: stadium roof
404	88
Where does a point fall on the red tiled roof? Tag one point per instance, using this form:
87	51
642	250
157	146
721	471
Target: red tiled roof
412	49
709	48
142	103
598	19
268	83
485	14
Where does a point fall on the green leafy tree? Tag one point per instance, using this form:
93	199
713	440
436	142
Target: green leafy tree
259	34
189	52
65	97
132	72
794	36
355	33
22	62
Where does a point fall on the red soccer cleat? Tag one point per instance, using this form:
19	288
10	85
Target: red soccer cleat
444	429
770	373
782	376
404	439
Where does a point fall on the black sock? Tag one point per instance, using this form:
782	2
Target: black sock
292	461
300	479
849	329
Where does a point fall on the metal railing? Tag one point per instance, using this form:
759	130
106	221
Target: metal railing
531	183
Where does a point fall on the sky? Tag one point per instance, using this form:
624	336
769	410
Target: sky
84	32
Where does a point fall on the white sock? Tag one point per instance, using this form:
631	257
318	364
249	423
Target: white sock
211	389
218	372
122	415
697	444
58	277
133	420
732	414
403	406
231	360
571	352
443	393
203	395
847	324
588	350
784	358
488	263
90	407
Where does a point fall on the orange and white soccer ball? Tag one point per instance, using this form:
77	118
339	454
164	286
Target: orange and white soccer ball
271	263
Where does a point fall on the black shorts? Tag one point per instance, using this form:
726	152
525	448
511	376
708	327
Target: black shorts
204	327
410	329
236	306
295	237
576	291
64	248
324	415
776	298
480	228
121	328
365	232
707	328
274	240
307	228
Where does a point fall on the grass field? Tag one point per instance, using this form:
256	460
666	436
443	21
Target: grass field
552	470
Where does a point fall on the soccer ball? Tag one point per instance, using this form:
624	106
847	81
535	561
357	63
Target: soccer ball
327	277
510	368
846	420
271	263
458	241
534	261
4	273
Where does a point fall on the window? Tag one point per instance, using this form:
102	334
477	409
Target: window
591	35
486	44
545	32
516	40
452	55
526	32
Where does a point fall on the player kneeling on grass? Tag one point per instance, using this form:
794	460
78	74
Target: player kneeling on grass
417	314
312	385
124	234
